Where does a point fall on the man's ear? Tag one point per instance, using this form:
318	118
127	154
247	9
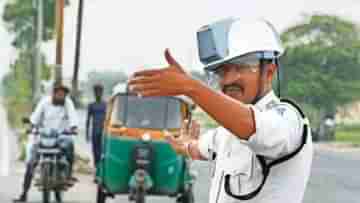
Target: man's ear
270	71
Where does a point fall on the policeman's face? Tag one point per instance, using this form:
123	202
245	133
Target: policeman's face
59	97
240	81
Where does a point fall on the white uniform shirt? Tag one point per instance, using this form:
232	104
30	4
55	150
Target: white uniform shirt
51	116
54	116
279	129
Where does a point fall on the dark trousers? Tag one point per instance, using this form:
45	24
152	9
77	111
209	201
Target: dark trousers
96	147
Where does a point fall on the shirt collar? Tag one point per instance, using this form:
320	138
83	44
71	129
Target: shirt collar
267	101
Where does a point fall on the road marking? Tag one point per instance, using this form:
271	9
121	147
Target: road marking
4	141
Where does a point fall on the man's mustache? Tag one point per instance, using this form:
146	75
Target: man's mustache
232	86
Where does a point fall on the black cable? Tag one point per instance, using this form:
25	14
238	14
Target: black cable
261	85
277	62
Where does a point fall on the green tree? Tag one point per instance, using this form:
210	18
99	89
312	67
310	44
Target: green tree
322	63
20	20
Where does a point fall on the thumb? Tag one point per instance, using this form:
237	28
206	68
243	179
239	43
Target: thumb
172	62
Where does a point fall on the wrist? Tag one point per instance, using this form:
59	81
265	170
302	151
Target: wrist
192	88
187	149
190	150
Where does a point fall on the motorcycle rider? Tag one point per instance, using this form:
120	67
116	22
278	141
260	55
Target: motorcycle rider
54	112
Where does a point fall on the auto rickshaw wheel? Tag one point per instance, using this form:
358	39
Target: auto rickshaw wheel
140	195
101	196
58	196
186	197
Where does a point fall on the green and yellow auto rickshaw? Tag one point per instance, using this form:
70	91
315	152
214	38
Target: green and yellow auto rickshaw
136	159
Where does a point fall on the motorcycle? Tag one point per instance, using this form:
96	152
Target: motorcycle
52	162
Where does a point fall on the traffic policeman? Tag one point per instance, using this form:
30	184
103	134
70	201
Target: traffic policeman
262	151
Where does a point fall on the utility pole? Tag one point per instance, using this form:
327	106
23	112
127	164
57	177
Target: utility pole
38	58
75	81
60	4
36	61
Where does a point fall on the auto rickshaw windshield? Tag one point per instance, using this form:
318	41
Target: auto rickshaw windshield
151	113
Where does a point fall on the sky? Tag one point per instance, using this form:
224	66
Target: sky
130	35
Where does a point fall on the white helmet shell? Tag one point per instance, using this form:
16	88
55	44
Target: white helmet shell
246	37
119	88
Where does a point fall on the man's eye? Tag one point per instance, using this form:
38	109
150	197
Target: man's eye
219	72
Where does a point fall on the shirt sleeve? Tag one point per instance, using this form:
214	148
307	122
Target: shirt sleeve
35	117
73	118
208	143
278	131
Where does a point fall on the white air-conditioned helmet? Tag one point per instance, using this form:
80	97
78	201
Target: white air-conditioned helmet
231	38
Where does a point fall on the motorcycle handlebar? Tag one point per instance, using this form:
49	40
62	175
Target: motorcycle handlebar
69	133
36	131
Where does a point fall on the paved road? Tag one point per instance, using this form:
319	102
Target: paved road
335	178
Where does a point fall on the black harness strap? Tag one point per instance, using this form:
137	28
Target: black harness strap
266	167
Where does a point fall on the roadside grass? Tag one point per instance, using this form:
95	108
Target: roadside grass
348	134
16	111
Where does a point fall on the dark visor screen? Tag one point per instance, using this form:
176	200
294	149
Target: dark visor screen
207	47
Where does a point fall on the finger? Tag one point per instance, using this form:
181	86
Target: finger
173	138
172	62
147	72
141	87
197	131
193	130
155	93
143	81
184	129
151	93
169	138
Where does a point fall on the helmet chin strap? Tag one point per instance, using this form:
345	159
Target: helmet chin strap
261	84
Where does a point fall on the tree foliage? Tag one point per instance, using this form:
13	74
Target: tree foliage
322	61
20	20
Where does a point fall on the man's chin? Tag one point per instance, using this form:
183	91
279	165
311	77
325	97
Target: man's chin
236	95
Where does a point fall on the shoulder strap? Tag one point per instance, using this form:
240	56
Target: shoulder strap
304	135
266	167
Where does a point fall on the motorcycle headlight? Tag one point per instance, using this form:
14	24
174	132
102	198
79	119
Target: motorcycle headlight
48	142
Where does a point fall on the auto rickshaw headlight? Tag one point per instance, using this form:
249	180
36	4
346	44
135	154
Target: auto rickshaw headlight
146	137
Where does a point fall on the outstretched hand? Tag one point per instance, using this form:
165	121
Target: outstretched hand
187	134
169	81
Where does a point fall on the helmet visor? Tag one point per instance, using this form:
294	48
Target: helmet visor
213	41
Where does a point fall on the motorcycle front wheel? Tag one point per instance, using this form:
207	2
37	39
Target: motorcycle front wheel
101	196
140	196
45	179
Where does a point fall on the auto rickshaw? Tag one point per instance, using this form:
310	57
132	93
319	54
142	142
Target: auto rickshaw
136	159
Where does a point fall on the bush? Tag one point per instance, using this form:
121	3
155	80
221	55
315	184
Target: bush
348	133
